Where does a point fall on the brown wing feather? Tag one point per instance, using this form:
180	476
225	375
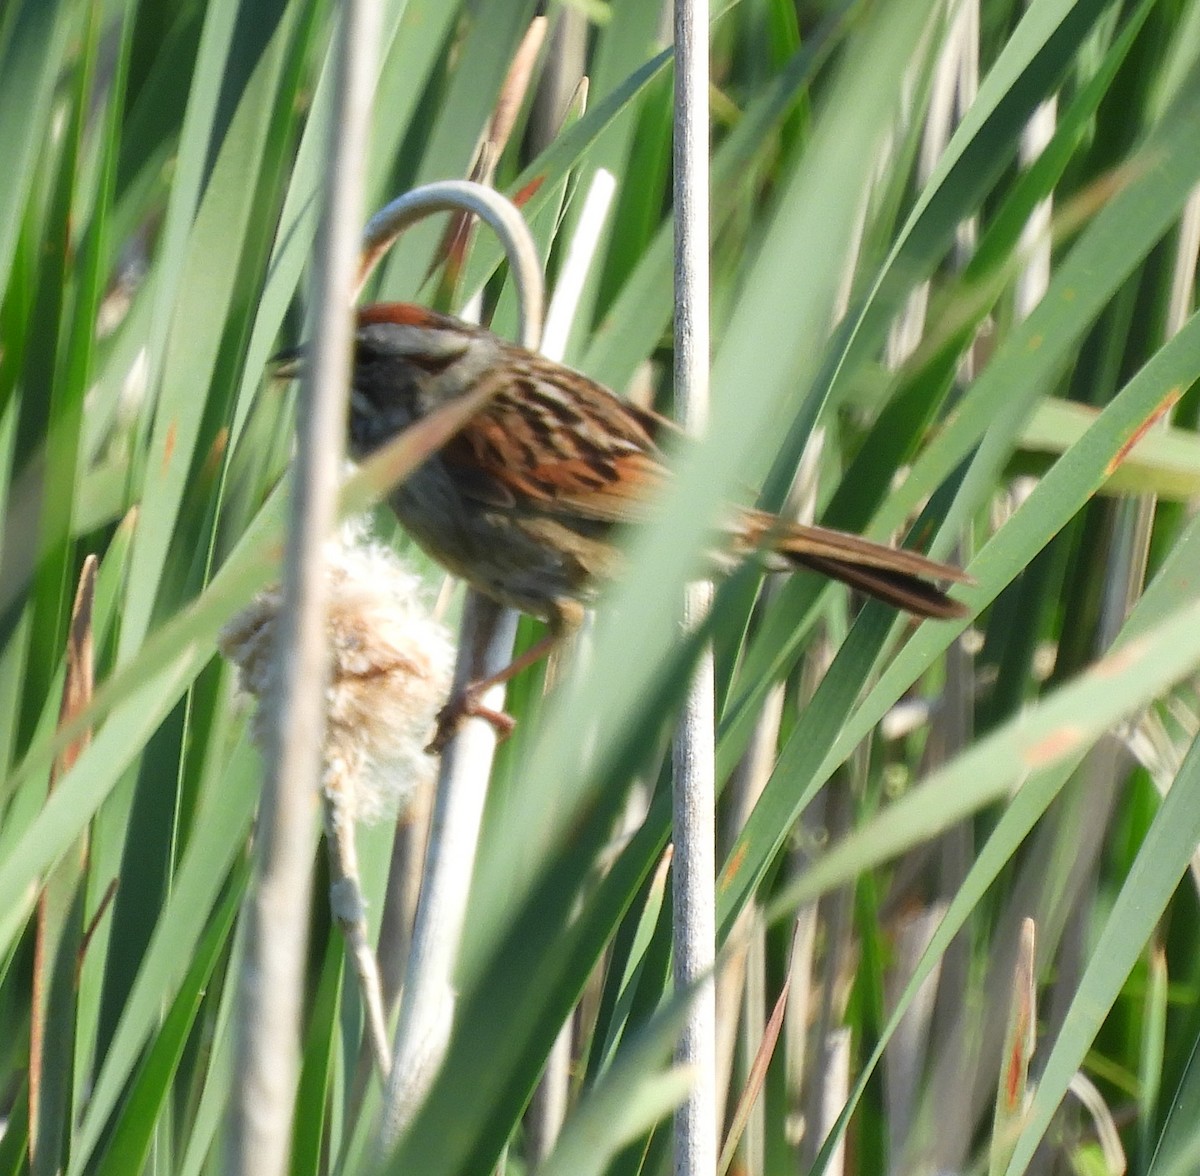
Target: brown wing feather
569	448
565	449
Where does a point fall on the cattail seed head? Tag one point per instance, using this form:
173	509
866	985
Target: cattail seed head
390	666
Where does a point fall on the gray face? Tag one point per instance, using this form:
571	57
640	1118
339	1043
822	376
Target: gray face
378	413
385	390
401	373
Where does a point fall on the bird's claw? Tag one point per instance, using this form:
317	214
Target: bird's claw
466	705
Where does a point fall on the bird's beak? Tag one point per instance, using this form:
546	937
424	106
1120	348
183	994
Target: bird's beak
289	363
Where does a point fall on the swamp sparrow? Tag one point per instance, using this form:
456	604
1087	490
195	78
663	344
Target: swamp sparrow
523	500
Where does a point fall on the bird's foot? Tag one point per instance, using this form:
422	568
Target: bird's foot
465	705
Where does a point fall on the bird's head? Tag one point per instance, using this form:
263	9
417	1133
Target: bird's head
409	361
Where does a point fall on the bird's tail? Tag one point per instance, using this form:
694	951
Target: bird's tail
901	578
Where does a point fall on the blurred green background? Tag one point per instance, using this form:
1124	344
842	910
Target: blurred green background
954	259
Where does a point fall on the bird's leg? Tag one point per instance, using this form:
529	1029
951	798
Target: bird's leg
466	703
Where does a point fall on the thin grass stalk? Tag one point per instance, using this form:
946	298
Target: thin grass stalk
748	1031
1151	1072
395	925
762	1052
485	646
407	866
1179	309
61	937
1103	1123
491	147
1030	287
908	328
1036	237
802	1003
905	1059
832	820
835	1090
562	72
271	980
428	999
350	909
741	992
1020	1040
951	90
1104	769
741	986
694	873
1133	539
953	716
1183	280
909	1118
966	30
548	1108
403	888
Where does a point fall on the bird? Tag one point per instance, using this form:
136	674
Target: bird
525	500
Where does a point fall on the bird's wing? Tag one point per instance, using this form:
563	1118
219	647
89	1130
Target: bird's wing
565	449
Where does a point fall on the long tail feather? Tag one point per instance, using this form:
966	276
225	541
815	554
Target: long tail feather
894	575
899	589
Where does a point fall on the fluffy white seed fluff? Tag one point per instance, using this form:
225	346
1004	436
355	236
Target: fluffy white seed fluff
390	673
